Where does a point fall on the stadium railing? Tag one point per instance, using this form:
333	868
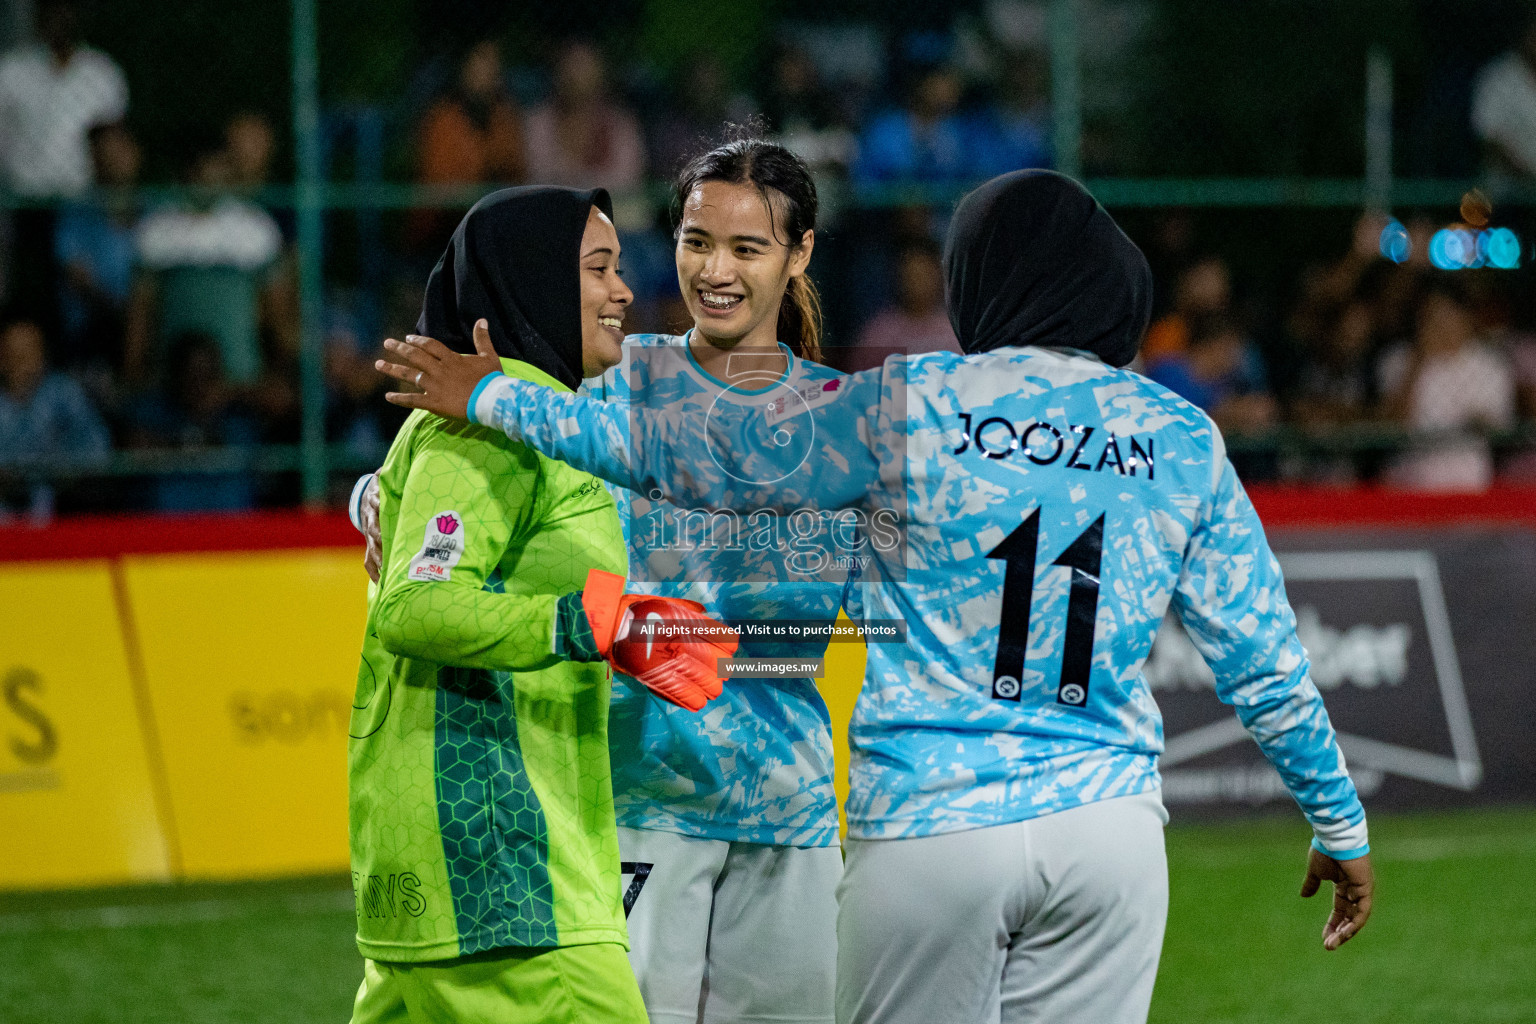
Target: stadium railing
320	462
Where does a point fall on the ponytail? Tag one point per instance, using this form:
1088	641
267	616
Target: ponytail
800	318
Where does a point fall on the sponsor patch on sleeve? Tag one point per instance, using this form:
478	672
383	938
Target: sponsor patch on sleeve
791	402
441	548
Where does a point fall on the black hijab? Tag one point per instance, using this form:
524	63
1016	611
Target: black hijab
1032	259
514	261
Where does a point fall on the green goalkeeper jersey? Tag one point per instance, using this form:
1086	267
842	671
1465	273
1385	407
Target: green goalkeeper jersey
480	796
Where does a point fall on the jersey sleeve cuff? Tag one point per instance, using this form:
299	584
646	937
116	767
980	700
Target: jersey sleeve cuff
355	503
1359	851
482	400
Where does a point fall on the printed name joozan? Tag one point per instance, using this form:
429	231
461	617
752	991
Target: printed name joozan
1043	444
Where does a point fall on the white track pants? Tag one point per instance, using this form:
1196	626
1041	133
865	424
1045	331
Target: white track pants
1056	920
724	931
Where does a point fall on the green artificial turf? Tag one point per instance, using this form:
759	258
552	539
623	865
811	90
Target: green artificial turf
1453	938
192	954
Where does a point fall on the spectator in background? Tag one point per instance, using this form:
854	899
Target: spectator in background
251	144
1504	107
474	132
1204	287
355	411
51	96
803	115
1392	288
1335	283
581	137
1360	272
1446	382
926	141
1393	291
195	409
1521	467
44	418
1335	386
95	247
1215	372
704	102
918	322
471	134
1170	247
1017	132
1492	302
208	266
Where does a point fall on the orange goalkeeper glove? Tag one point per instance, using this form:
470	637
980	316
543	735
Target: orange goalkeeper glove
667	643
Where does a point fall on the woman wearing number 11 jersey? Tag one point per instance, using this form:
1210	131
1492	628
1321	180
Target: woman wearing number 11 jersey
1005	855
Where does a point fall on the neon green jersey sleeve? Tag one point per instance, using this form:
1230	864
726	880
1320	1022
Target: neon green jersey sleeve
452	499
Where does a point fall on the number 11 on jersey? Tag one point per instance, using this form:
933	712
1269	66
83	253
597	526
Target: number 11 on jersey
1083	557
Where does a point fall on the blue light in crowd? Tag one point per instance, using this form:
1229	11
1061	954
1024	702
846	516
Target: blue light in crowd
1462	249
1395	244
1446	250
1473	254
1502	249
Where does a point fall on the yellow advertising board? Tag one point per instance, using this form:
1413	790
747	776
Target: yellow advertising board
185	715
250	661
77	793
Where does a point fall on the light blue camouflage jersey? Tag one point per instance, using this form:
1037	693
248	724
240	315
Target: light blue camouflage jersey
756	764
1053	508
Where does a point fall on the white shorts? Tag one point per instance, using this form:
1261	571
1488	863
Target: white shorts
1057	919
722	931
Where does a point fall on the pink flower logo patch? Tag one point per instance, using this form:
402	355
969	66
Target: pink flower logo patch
442	545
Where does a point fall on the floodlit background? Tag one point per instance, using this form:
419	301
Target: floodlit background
212	213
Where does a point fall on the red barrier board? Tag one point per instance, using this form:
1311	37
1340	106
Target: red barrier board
1279	508
110	536
1298	507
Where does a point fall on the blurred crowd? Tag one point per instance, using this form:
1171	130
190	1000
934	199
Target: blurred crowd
1365	353
132	323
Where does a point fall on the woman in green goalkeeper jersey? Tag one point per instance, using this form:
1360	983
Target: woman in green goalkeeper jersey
484	855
